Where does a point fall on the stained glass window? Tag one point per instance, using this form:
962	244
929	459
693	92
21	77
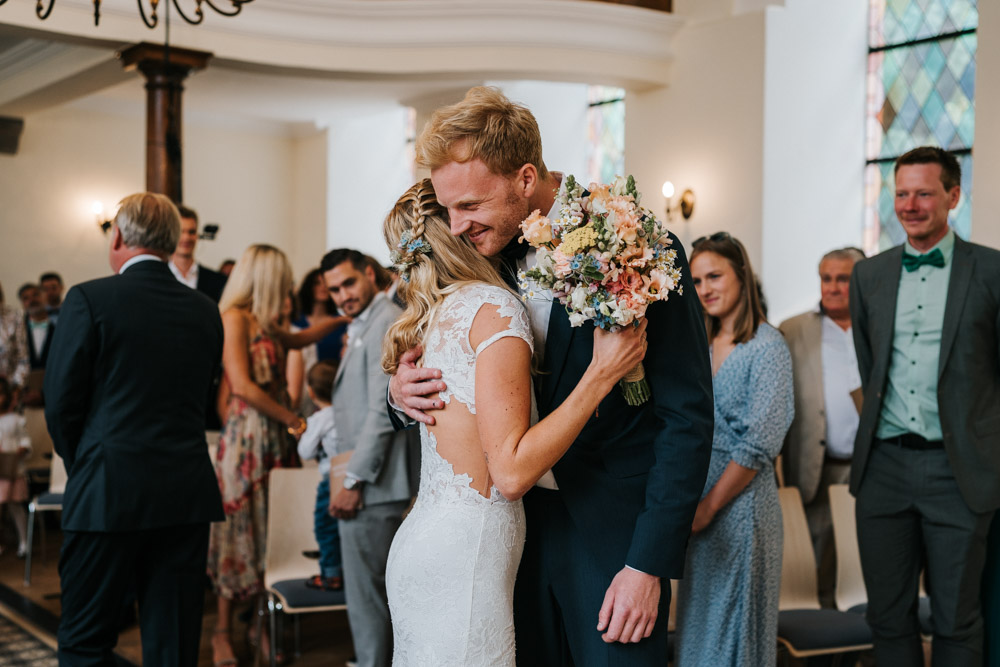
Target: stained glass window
921	91
605	133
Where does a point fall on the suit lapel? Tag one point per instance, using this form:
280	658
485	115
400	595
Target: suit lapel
356	335
882	304
962	265
814	334
557	343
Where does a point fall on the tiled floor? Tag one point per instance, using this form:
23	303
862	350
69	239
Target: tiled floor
325	638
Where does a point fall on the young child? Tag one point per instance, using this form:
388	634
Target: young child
319	442
14	440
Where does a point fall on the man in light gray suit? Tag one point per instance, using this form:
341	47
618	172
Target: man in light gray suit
381	474
820	442
926	468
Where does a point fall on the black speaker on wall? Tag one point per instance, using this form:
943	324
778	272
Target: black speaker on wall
10	134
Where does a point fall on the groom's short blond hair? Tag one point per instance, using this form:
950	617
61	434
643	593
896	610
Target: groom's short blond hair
485	125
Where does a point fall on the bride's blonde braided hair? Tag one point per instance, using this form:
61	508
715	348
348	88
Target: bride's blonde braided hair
412	243
432	262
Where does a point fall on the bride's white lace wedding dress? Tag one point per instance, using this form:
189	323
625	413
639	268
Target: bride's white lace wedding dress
451	568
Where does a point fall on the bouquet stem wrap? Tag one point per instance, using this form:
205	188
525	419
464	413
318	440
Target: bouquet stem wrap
634	386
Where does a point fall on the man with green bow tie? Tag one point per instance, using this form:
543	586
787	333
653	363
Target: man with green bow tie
926	469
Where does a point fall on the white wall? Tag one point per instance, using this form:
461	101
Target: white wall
756	95
67	160
705	131
69	157
369	167
308	203
986	173
561	112
242	181
814	129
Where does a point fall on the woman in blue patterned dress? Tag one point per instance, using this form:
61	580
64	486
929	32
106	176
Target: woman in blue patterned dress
727	605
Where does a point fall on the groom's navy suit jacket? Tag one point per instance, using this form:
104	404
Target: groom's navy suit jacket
633	478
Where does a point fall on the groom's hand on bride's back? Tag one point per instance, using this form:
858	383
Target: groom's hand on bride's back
411	388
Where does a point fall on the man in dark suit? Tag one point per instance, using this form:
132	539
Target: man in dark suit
39	329
613	518
129	370
182	262
926	470
37	324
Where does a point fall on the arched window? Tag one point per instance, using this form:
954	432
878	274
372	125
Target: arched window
921	91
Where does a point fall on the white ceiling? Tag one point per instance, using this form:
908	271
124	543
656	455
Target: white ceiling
293	64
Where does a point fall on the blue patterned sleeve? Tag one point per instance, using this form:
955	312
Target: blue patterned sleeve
770	403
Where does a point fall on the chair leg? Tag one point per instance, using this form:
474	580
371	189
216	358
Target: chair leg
31	534
298	635
274	627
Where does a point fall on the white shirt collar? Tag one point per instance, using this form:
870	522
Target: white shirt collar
361	317
191	279
136	260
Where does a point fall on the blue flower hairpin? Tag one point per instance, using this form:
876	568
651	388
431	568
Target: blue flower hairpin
404	257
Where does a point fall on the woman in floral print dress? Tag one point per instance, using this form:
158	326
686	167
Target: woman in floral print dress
257	419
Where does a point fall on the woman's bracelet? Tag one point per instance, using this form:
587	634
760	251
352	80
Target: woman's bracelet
298	429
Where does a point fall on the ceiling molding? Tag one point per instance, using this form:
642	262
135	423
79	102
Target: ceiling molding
550	39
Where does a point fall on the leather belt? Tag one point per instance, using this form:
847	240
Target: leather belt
913	441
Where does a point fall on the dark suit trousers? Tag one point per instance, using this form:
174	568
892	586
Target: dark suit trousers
167	567
559	592
909	509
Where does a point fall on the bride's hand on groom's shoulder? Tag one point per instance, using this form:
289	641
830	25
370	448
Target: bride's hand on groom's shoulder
412	387
630	607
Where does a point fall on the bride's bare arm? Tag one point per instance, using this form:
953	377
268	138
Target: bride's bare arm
517	456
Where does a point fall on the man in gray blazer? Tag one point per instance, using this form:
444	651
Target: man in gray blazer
820	442
381	474
926	469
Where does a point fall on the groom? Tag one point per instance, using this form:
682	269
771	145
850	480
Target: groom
610	523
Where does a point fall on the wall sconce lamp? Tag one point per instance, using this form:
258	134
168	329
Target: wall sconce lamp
685	201
97	208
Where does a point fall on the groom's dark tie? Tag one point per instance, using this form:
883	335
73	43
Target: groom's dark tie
509	256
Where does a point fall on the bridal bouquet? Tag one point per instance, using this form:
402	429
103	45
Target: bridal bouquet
605	258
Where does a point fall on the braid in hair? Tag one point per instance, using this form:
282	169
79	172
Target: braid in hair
412	243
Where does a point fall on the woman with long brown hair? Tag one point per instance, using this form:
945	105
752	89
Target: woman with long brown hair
727	605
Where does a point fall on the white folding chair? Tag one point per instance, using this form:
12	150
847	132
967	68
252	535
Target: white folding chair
805	629
851	594
291	499
44	502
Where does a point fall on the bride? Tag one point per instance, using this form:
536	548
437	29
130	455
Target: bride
451	568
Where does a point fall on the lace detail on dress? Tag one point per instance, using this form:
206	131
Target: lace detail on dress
450	574
438	479
451	569
446	345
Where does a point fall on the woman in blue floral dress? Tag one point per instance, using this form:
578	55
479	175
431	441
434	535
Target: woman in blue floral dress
727	605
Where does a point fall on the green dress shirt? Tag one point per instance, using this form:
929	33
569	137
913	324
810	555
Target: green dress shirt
910	404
